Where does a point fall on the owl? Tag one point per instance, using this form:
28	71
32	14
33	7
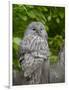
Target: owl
34	52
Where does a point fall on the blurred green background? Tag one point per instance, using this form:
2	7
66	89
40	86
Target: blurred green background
52	17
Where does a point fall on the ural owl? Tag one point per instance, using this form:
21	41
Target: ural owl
34	52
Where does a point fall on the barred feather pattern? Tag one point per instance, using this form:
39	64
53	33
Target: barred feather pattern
34	50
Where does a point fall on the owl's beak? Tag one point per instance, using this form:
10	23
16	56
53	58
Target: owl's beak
37	31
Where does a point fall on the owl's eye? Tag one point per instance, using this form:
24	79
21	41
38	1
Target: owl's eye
33	29
41	29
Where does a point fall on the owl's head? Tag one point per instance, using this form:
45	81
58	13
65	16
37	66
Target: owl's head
36	28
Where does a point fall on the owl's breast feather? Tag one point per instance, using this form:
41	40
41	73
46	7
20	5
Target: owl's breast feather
39	48
36	45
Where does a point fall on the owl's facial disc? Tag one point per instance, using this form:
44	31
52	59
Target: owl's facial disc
36	28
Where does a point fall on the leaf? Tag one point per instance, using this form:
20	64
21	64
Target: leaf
53	58
16	40
49	18
58	20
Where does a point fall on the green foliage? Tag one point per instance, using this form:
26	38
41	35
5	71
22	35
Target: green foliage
53	59
52	17
16	42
